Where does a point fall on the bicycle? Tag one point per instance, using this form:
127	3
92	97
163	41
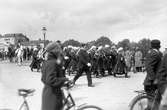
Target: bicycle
25	93
69	103
140	102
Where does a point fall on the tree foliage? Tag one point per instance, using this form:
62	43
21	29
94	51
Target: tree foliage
125	44
103	41
144	45
72	42
133	45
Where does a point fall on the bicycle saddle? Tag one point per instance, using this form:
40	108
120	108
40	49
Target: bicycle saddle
25	91
140	91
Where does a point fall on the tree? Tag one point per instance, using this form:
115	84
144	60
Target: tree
103	41
125	44
144	45
72	42
133	45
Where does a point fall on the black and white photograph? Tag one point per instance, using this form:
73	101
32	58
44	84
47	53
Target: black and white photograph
83	54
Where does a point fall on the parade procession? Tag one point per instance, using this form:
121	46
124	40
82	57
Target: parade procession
83	55
104	59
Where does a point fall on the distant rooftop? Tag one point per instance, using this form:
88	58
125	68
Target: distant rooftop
13	34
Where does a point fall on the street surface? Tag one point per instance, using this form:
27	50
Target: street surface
109	93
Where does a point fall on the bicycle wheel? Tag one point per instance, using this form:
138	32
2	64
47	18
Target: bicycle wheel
24	106
140	102
90	107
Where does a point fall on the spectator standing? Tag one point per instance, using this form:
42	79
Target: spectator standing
19	53
138	60
153	59
162	83
120	67
128	59
53	78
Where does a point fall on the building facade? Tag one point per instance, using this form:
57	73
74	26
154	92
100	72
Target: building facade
12	39
35	43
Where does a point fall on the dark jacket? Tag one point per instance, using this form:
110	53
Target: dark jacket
162	73
53	78
83	58
120	65
153	60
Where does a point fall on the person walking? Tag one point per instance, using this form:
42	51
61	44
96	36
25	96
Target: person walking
19	53
153	59
83	66
53	78
120	67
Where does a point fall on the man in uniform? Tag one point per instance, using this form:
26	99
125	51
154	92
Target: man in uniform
153	59
162	83
83	65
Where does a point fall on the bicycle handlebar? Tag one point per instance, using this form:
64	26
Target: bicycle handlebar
69	84
25	92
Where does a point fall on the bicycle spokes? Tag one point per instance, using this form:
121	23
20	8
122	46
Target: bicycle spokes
141	105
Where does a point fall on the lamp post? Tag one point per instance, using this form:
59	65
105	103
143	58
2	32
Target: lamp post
44	35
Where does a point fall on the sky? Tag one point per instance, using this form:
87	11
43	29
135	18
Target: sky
86	20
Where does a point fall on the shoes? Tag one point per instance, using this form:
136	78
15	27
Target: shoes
31	69
126	76
147	108
91	85
97	76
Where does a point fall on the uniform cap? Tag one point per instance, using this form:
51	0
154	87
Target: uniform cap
120	49
106	46
113	47
155	43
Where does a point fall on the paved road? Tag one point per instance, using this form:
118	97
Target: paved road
109	93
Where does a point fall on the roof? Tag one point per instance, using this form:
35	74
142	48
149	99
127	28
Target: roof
15	35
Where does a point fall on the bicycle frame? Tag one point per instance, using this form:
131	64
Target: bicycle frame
24	103
67	99
25	93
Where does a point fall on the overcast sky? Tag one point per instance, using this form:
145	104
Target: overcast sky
86	20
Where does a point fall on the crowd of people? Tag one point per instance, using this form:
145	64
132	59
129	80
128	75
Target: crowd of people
55	61
18	54
98	60
106	60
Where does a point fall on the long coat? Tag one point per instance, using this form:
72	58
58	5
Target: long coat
53	78
120	67
128	58
138	59
162	72
153	60
35	63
